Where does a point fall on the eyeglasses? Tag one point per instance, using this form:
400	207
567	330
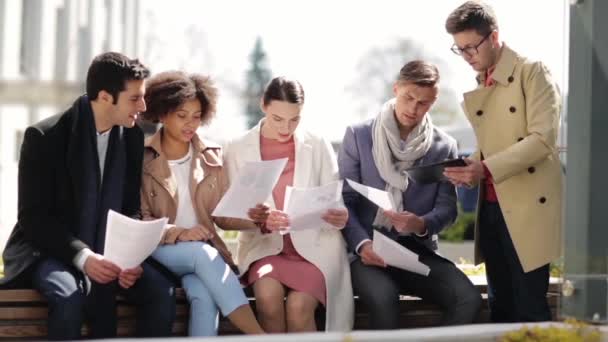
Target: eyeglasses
470	50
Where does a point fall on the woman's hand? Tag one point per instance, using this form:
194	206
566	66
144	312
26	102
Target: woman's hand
277	220
196	233
336	217
259	213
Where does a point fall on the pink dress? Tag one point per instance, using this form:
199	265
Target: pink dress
288	267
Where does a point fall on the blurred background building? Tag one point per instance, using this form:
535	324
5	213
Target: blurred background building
46	47
347	70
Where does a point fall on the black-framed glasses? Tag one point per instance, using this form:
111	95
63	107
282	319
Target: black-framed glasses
469	50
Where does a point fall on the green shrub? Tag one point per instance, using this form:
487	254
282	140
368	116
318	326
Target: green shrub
456	232
228	235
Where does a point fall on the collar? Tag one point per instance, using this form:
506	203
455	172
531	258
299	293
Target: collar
208	150
503	69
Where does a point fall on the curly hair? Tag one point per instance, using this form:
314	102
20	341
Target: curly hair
167	91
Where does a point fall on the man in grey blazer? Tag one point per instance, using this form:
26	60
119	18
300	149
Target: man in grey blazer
376	153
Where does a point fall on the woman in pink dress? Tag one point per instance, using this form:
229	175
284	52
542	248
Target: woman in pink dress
308	267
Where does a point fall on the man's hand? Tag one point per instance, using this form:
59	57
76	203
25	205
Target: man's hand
100	270
127	278
406	222
369	257
259	213
196	233
336	217
277	220
468	176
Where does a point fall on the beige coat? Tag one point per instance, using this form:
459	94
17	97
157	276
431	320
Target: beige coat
208	183
315	165
516	124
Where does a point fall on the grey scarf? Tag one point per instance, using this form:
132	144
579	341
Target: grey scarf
392	156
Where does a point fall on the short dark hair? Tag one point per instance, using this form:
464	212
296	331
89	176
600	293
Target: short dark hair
472	15
420	73
110	71
283	89
167	91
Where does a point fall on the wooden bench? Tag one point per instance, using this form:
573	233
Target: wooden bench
23	314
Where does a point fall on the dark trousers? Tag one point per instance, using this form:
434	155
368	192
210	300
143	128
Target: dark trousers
66	292
513	295
379	289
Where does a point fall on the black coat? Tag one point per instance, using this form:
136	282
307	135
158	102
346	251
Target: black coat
50	172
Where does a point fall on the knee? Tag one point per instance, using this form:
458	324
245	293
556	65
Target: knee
471	296
161	293
470	300
202	251
197	294
67	307
379	298
269	304
299	310
66	299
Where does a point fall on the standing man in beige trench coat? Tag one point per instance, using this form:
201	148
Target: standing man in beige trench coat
515	115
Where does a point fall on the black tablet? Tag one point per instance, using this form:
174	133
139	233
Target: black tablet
432	173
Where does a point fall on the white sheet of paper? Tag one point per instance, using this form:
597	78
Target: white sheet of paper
397	256
129	242
252	186
305	206
379	197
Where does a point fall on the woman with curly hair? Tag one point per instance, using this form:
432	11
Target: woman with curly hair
183	179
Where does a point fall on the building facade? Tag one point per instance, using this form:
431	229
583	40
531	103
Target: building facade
45	49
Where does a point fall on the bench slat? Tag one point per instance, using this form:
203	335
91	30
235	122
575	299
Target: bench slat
23	314
41	312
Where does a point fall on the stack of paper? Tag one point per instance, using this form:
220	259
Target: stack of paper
305	206
253	186
398	256
379	197
129	242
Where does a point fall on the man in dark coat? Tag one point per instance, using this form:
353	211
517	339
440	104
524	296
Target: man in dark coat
74	167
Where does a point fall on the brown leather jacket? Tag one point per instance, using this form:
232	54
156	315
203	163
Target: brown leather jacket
208	183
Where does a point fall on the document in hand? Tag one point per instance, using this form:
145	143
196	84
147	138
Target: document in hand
432	173
129	242
396	255
252	186
379	197
305	206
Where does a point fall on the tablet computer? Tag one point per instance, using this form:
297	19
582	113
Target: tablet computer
432	173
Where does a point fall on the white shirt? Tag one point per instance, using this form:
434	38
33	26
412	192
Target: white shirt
103	139
180	168
102	149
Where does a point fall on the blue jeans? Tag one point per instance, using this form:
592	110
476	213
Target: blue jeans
208	281
65	289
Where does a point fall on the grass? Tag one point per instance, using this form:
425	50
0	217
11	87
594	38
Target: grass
572	331
556	268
